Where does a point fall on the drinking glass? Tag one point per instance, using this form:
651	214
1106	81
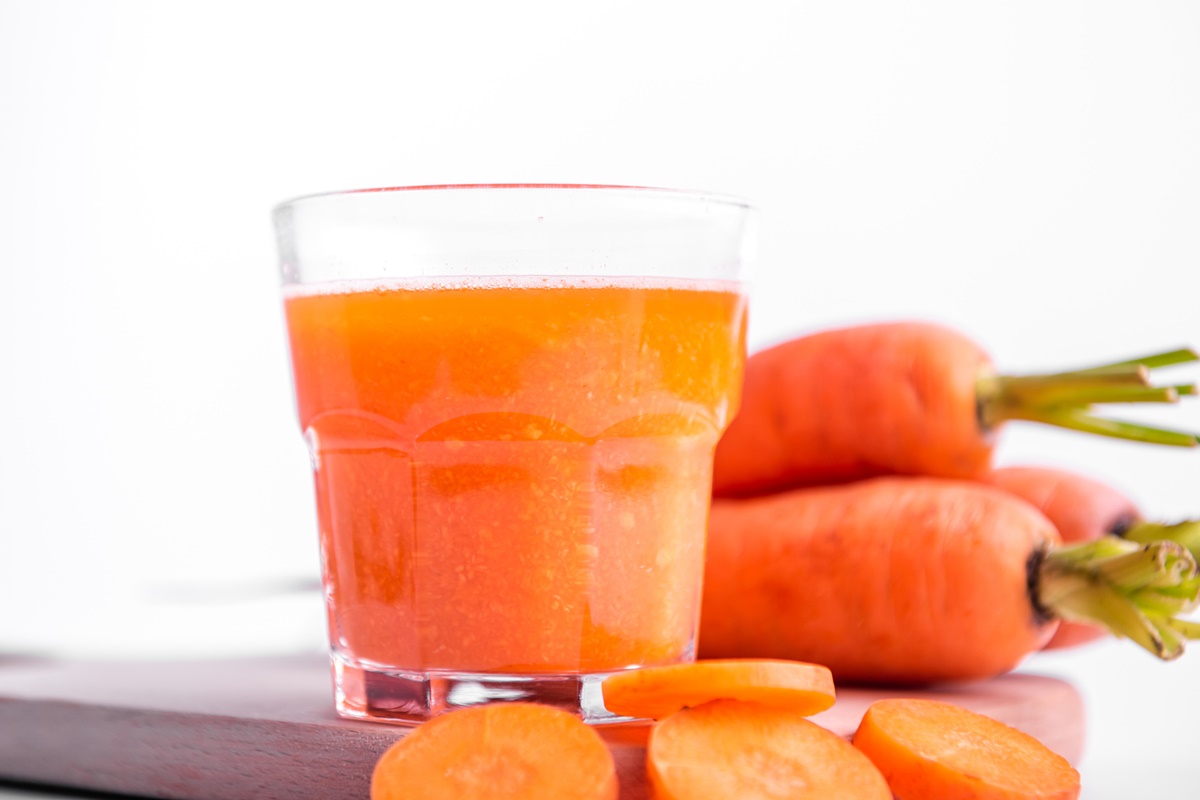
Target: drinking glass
511	395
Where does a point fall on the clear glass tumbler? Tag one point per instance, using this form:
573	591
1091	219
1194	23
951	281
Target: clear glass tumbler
511	395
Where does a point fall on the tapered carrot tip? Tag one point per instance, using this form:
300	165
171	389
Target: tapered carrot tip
733	750
927	748
517	751
657	692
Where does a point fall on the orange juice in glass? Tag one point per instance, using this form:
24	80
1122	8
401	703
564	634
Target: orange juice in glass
511	396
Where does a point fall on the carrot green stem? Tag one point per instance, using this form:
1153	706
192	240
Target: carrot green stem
1181	356
1065	399
1186	628
1135	590
1186	533
1051	397
1073	419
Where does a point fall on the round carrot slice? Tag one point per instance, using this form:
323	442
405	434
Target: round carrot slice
927	748
657	692
734	750
520	751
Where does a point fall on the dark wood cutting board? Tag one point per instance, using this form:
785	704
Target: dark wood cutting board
262	729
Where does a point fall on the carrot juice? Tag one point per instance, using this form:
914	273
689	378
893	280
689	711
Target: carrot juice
513	474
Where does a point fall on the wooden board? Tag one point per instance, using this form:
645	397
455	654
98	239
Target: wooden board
264	729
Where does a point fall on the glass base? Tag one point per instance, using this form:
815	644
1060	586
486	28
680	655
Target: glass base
409	698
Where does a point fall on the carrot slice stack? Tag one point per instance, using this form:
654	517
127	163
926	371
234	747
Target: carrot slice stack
657	692
517	751
927	748
734	750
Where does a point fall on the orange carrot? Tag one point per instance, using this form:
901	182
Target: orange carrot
926	748
733	750
520	751
1081	508
908	398
918	580
657	692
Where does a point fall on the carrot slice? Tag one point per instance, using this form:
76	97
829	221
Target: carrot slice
657	692
521	751
744	751
927	748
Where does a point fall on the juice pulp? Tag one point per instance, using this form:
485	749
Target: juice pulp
514	476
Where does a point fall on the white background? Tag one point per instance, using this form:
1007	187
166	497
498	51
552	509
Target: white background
1028	172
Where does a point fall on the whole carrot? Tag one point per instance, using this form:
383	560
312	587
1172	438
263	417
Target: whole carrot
920	580
909	398
1084	509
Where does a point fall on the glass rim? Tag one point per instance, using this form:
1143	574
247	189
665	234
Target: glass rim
689	195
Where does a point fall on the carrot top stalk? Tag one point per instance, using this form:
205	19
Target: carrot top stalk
1136	591
1186	533
1065	399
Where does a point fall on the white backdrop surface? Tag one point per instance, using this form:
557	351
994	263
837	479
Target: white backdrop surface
1027	172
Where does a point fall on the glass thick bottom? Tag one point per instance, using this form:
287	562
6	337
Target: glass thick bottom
409	698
